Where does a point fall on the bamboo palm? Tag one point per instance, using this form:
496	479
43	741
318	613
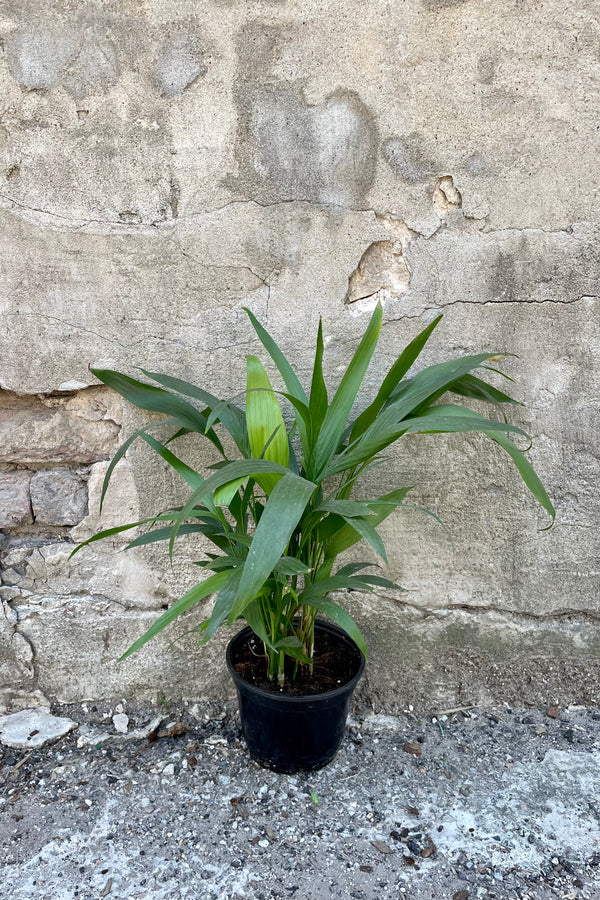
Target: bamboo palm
281	515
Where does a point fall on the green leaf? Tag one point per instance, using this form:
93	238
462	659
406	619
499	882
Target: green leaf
189	475
123	450
230	415
292	646
163	534
229	471
109	532
408	400
289	565
318	390
523	465
281	515
341	618
290	378
195	595
343	400
253	617
367	531
266	428
287	373
146	396
225	494
348	535
471	386
527	473
345	508
432	421
325	586
223	602
392	379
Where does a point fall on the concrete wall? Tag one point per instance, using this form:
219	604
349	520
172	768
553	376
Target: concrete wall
166	163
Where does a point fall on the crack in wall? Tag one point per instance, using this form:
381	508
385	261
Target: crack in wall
580	616
161	225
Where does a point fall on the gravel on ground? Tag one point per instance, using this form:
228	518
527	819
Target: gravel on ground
165	804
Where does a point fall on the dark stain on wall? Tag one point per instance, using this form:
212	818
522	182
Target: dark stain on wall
288	149
408	157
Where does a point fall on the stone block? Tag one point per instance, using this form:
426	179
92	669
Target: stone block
58	497
74	429
15	507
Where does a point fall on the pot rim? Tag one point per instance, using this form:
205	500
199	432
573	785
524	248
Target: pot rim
296	698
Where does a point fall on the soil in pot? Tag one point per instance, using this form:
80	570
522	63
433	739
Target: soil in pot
334	665
295	731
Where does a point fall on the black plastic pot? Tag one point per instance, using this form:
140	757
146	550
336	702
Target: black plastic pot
292	733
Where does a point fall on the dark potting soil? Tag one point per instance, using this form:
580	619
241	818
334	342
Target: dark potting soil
335	663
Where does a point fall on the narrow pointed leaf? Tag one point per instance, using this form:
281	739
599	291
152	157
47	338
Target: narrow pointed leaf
195	595
471	386
254	619
346	508
287	373
225	494
318	390
109	532
341	618
146	396
289	565
367	531
163	534
343	400
281	515
397	372
230	415
241	468
223	603
266	428
347	536
123	450
189	475
527	473
433	422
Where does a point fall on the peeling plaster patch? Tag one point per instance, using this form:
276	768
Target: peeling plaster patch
382	267
37	55
446	196
180	62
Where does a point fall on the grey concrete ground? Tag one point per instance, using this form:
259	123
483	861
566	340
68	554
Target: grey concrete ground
165	804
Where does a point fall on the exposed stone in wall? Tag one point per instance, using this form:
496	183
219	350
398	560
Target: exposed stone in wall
58	497
15	505
57	429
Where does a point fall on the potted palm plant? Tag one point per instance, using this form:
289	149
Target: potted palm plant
281	514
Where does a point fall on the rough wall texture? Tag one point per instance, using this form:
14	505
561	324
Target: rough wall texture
163	165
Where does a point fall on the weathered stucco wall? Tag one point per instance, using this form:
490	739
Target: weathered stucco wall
163	165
